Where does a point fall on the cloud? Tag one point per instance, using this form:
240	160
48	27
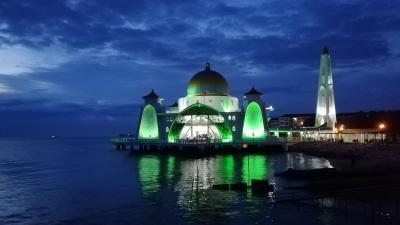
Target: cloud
18	59
5	89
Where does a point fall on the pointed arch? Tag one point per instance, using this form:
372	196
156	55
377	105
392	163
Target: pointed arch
148	128
253	125
199	109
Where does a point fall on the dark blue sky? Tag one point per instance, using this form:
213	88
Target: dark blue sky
80	67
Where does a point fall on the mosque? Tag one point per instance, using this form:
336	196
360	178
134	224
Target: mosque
208	114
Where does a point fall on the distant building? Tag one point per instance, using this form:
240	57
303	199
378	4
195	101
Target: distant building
293	120
362	127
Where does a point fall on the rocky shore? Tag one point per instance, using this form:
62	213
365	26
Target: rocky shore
362	167
349	156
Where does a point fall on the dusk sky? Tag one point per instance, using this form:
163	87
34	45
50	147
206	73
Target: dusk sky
80	67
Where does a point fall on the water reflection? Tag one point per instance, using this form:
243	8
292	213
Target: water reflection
226	168
254	167
186	183
170	167
185	174
149	174
36	186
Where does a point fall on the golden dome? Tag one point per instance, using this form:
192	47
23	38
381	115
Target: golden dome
207	82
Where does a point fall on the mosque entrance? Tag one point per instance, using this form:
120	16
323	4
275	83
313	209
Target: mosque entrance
199	122
199	127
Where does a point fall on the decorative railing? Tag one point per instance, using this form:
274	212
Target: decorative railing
131	140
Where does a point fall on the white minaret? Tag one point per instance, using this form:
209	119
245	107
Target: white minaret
326	111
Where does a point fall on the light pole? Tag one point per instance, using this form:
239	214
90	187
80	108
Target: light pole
381	128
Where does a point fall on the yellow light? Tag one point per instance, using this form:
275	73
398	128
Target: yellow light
341	127
382	126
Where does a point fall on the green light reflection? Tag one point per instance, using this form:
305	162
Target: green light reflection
170	167
149	174
254	167
227	168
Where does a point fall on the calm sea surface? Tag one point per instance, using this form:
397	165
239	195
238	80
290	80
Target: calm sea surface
85	181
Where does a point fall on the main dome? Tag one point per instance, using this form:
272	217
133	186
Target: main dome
207	82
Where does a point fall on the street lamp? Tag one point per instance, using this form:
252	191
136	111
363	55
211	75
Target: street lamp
381	127
341	128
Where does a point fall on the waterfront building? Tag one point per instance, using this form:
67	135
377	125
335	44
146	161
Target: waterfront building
207	113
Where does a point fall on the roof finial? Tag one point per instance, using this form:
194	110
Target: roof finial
208	66
325	51
253	91
152	94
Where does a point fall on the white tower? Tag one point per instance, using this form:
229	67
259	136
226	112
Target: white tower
326	111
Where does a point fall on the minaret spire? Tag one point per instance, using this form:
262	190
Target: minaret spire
208	66
325	51
326	110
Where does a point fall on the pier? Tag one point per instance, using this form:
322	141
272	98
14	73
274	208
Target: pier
197	146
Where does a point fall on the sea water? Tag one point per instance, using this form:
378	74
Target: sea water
86	181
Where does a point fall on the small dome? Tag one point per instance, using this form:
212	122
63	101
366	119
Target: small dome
207	82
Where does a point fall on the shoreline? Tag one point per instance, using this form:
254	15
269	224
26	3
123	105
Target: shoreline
354	157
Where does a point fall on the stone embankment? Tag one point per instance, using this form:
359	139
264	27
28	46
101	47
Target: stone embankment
349	156
358	168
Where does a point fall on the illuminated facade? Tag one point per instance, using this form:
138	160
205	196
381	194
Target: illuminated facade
326	111
206	114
